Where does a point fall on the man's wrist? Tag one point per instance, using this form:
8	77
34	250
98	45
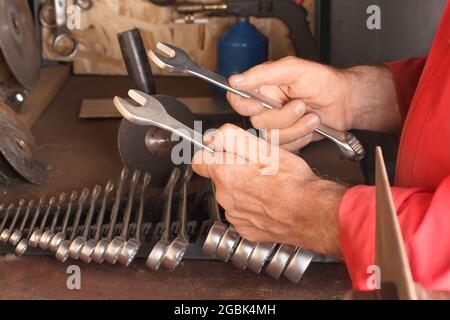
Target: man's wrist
326	198
372	99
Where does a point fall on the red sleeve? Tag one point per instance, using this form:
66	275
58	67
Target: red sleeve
406	74
424	219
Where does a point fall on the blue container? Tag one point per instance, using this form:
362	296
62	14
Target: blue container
241	48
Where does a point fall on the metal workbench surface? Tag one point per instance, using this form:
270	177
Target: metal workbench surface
82	153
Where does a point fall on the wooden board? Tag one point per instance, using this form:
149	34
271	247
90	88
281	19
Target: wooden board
99	51
51	79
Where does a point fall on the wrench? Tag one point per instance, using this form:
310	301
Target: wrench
46	237
60	236
77	244
63	34
116	245
173	59
218	228
279	261
36	235
132	246
177	248
155	257
89	247
100	248
62	253
17	235
6	233
6	216
22	246
298	264
152	112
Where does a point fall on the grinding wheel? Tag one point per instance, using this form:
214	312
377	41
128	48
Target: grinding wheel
18	41
148	148
18	150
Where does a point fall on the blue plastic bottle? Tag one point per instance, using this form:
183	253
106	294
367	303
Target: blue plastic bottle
241	48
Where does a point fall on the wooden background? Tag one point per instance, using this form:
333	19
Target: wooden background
99	51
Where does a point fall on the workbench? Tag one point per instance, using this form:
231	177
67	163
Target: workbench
82	153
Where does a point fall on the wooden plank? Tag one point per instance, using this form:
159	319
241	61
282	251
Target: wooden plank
99	51
390	250
51	79
104	108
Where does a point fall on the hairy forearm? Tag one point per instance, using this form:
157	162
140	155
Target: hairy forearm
373	99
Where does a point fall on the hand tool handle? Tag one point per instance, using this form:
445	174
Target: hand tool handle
182	207
27	214
145	183
87	222
349	145
167	196
129	207
101	215
136	61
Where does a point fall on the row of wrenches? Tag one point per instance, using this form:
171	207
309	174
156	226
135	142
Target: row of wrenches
222	241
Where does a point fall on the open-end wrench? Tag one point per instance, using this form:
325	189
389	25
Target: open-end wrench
77	244
151	112
60	236
100	248
62	253
155	257
46	237
36	235
218	228
131	247
279	261
173	59
117	243
22	246
88	248
177	248
17	235
6	233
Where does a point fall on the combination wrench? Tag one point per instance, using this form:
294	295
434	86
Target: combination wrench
22	245
155	257
6	233
131	247
36	235
46	237
117	243
17	235
60	236
173	59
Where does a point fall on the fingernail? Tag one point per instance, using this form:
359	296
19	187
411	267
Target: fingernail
256	108
313	120
299	109
209	137
237	78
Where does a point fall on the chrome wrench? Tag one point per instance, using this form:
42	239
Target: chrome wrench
173	59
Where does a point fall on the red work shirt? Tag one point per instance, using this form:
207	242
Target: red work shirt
422	187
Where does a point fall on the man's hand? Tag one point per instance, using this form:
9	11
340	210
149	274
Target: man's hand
283	202
356	98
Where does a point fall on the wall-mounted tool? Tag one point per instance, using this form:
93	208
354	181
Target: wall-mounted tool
117	243
89	247
18	41
288	11
156	255
33	241
177	248
131	247
62	253
217	229
46	237
17	234
173	59
77	244
98	255
6	233
22	245
54	16
60	236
